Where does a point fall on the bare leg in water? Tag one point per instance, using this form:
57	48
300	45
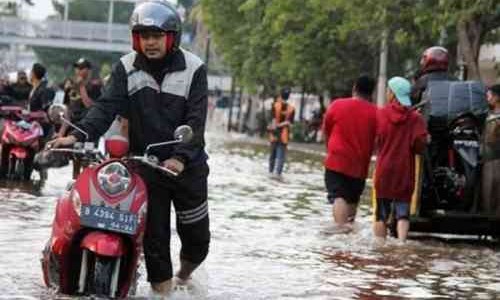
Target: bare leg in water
185	271
183	276
343	213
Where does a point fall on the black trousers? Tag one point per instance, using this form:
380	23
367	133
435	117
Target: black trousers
188	193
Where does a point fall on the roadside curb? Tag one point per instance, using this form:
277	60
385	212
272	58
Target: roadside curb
312	148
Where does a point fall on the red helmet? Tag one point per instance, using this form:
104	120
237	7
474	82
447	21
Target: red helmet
156	15
434	59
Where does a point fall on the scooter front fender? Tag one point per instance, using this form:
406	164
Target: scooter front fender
19	152
104	243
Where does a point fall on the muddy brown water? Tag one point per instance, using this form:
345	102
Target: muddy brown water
271	239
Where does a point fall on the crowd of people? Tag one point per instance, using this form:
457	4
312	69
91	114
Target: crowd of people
355	129
34	94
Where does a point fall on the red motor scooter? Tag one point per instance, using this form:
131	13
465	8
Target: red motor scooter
99	222
21	140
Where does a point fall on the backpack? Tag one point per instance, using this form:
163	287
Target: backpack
447	100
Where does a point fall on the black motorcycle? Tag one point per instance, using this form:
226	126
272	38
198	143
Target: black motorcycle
452	167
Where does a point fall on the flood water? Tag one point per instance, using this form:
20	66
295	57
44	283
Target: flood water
271	239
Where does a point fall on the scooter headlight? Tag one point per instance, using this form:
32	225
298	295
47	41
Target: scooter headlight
114	178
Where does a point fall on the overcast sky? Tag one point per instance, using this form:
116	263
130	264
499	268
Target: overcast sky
43	8
40	10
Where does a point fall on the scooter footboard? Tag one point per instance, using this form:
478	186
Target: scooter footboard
104	243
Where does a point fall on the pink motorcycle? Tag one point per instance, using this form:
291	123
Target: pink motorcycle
21	140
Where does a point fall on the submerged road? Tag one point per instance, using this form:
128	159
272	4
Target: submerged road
271	239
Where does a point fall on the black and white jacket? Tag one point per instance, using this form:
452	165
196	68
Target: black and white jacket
155	102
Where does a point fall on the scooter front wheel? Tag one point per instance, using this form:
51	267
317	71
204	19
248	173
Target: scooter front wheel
103	272
103	275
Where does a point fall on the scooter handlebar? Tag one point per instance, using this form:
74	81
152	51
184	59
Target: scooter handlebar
152	162
84	152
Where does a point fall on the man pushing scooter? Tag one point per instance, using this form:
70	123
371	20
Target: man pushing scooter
158	87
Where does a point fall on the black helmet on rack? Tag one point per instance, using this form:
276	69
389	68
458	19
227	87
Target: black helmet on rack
156	15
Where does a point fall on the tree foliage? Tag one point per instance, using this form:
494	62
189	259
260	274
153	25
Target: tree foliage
320	45
474	22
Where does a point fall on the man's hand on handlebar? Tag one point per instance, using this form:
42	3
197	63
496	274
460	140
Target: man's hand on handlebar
283	124
62	142
173	165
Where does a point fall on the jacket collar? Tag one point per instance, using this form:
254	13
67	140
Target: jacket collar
172	63
41	85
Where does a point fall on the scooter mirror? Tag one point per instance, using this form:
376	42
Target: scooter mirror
183	133
56	111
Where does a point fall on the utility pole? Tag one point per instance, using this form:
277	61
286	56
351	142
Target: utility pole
302	104
65	17
66	10
461	64
382	73
207	51
240	114
231	103
110	18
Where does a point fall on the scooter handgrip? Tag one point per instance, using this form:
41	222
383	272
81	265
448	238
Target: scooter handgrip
167	171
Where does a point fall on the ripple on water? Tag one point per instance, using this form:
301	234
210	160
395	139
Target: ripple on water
271	239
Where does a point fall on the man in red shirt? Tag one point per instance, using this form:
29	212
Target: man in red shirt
401	133
350	130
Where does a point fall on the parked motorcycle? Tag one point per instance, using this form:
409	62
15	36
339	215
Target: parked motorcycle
99	222
21	140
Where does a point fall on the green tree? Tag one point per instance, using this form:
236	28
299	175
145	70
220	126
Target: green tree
314	54
422	23
273	43
474	22
320	45
230	32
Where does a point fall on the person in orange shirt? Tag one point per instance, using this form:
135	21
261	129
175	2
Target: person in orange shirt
283	114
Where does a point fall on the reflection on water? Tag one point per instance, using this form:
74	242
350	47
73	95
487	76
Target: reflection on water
271	239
